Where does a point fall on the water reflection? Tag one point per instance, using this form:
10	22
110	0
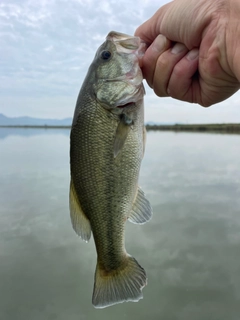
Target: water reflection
27	132
190	249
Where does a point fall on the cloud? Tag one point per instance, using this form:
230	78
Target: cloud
49	45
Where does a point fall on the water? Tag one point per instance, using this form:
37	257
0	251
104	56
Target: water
190	249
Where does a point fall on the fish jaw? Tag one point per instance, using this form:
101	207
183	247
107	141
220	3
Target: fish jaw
127	44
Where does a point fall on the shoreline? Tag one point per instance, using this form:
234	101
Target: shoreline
211	127
218	128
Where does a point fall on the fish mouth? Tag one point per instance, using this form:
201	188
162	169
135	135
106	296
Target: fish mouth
127	44
136	48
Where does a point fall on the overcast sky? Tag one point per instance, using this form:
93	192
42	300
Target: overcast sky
47	46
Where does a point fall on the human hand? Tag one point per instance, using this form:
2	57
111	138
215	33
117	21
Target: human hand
194	50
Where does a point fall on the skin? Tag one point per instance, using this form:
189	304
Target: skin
193	50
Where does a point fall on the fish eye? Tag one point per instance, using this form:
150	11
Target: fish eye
105	55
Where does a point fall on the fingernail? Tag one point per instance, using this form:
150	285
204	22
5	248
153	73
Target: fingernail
193	54
159	43
178	48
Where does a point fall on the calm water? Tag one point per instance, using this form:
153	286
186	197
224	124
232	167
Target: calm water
190	249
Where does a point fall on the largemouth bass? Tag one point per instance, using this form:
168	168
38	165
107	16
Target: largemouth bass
107	147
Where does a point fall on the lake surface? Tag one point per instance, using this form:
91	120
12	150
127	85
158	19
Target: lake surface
190	249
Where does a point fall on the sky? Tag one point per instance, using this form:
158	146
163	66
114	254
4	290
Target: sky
48	45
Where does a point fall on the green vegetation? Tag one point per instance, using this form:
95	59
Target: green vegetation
218	128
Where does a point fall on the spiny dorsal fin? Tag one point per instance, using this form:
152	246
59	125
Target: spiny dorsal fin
80	222
121	133
141	210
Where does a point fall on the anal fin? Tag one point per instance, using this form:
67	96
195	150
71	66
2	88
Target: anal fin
80	222
141	210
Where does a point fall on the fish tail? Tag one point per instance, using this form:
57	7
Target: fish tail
124	284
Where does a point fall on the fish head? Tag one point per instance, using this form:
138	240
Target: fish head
116	73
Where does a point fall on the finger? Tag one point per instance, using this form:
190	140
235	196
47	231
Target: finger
182	83
164	67
160	45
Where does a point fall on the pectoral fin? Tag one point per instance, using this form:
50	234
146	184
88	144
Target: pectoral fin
141	210
80	222
121	134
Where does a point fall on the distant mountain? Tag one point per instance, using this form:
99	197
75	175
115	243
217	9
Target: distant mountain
28	121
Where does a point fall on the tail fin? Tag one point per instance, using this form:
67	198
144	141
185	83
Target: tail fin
123	284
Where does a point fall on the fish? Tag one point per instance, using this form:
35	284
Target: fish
107	143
